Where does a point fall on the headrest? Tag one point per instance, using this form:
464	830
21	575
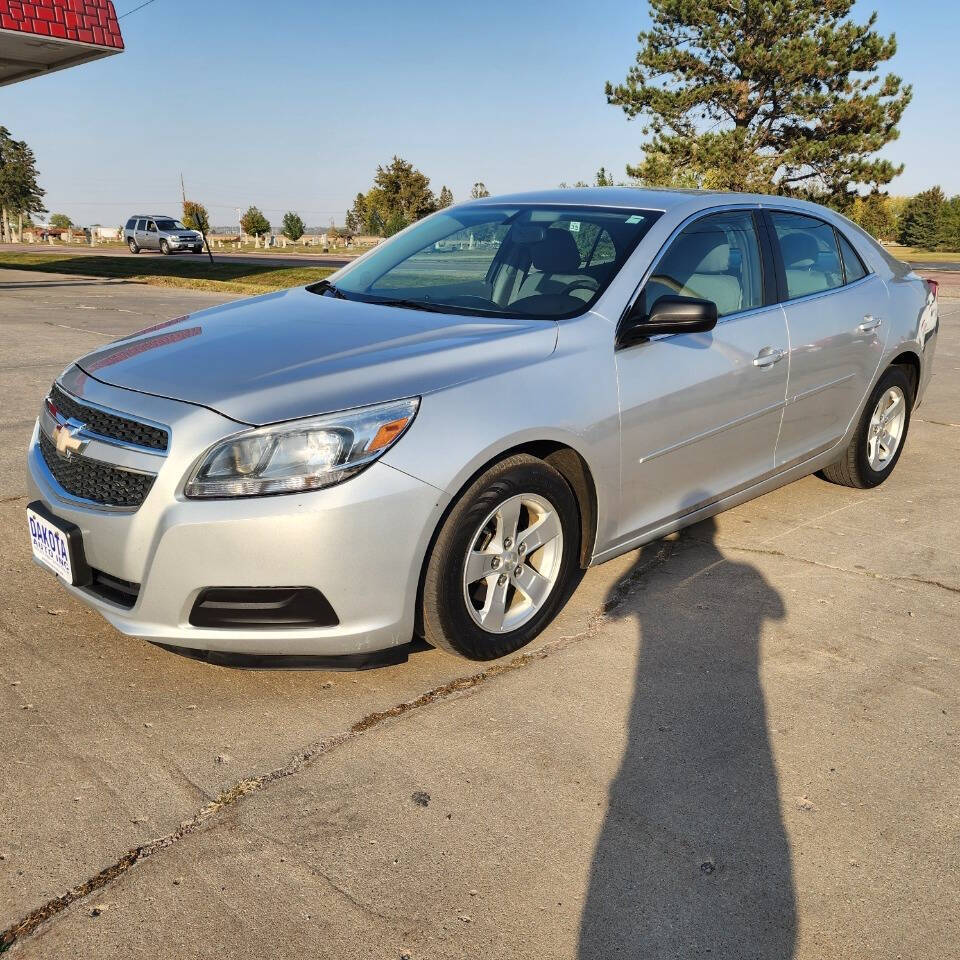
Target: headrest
704	252
527	232
799	250
557	252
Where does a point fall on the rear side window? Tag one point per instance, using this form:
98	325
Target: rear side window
131	223
852	264
715	258
811	259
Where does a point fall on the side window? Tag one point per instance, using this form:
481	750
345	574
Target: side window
811	259
852	264
141	225
715	258
131	223
151	227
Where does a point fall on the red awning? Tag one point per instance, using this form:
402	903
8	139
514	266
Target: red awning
40	36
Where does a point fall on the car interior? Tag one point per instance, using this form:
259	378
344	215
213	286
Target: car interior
716	258
536	262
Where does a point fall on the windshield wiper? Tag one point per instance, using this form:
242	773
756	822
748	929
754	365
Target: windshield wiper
325	286
411	305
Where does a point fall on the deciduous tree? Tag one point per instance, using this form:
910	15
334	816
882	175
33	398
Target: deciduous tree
61	221
195	216
874	214
479	191
765	95
293	226
254	222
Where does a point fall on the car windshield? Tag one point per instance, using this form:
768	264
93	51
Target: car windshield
548	261
170	225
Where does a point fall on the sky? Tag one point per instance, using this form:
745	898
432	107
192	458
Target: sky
291	105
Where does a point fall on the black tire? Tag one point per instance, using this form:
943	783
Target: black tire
132	244
853	468
198	249
446	621
165	248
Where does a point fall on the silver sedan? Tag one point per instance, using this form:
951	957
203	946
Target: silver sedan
438	438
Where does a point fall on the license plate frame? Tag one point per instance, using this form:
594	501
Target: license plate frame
61	549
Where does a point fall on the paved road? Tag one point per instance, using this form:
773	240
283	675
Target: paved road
739	743
282	259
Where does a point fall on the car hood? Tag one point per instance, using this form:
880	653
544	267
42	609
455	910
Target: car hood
296	354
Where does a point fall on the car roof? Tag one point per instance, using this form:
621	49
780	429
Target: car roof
643	198
152	216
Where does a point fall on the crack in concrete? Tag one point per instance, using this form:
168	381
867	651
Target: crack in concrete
939	423
829	566
307	756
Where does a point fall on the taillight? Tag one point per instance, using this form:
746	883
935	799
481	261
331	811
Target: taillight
933	286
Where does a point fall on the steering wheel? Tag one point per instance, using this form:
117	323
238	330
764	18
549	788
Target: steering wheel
587	283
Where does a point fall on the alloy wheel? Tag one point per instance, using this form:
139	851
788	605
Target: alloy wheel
886	428
513	562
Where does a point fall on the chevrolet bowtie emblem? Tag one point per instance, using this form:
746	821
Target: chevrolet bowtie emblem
66	436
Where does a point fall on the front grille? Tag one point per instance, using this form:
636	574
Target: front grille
109	424
93	480
123	593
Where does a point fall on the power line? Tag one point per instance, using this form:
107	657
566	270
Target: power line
135	9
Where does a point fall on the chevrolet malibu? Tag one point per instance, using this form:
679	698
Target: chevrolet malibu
436	439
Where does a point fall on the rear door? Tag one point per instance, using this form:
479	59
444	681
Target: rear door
700	412
836	319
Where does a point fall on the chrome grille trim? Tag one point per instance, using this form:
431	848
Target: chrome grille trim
112	426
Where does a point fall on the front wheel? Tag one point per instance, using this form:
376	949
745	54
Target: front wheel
132	244
165	248
503	562
878	442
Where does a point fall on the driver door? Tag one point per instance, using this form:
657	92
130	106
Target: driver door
150	236
700	412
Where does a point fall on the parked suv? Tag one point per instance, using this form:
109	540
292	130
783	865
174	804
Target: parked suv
159	232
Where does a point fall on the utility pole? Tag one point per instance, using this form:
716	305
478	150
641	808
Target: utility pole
183	193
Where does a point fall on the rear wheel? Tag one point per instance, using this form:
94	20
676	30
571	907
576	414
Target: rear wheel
878	442
503	562
132	244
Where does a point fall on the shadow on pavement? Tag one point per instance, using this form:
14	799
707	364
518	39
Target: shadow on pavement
693	858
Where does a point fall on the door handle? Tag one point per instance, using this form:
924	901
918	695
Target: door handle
869	323
767	357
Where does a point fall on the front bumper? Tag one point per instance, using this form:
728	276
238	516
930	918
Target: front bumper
361	543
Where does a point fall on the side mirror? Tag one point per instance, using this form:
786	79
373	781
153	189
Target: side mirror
670	314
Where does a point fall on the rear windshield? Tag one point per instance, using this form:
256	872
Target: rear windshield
170	225
528	261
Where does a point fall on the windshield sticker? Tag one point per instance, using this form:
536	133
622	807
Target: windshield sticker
574	226
634	219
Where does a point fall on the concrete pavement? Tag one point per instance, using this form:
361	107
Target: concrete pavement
739	743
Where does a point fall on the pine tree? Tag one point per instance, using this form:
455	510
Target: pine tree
765	95
446	198
948	236
920	223
20	191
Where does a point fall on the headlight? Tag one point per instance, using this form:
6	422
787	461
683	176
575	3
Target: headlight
302	454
